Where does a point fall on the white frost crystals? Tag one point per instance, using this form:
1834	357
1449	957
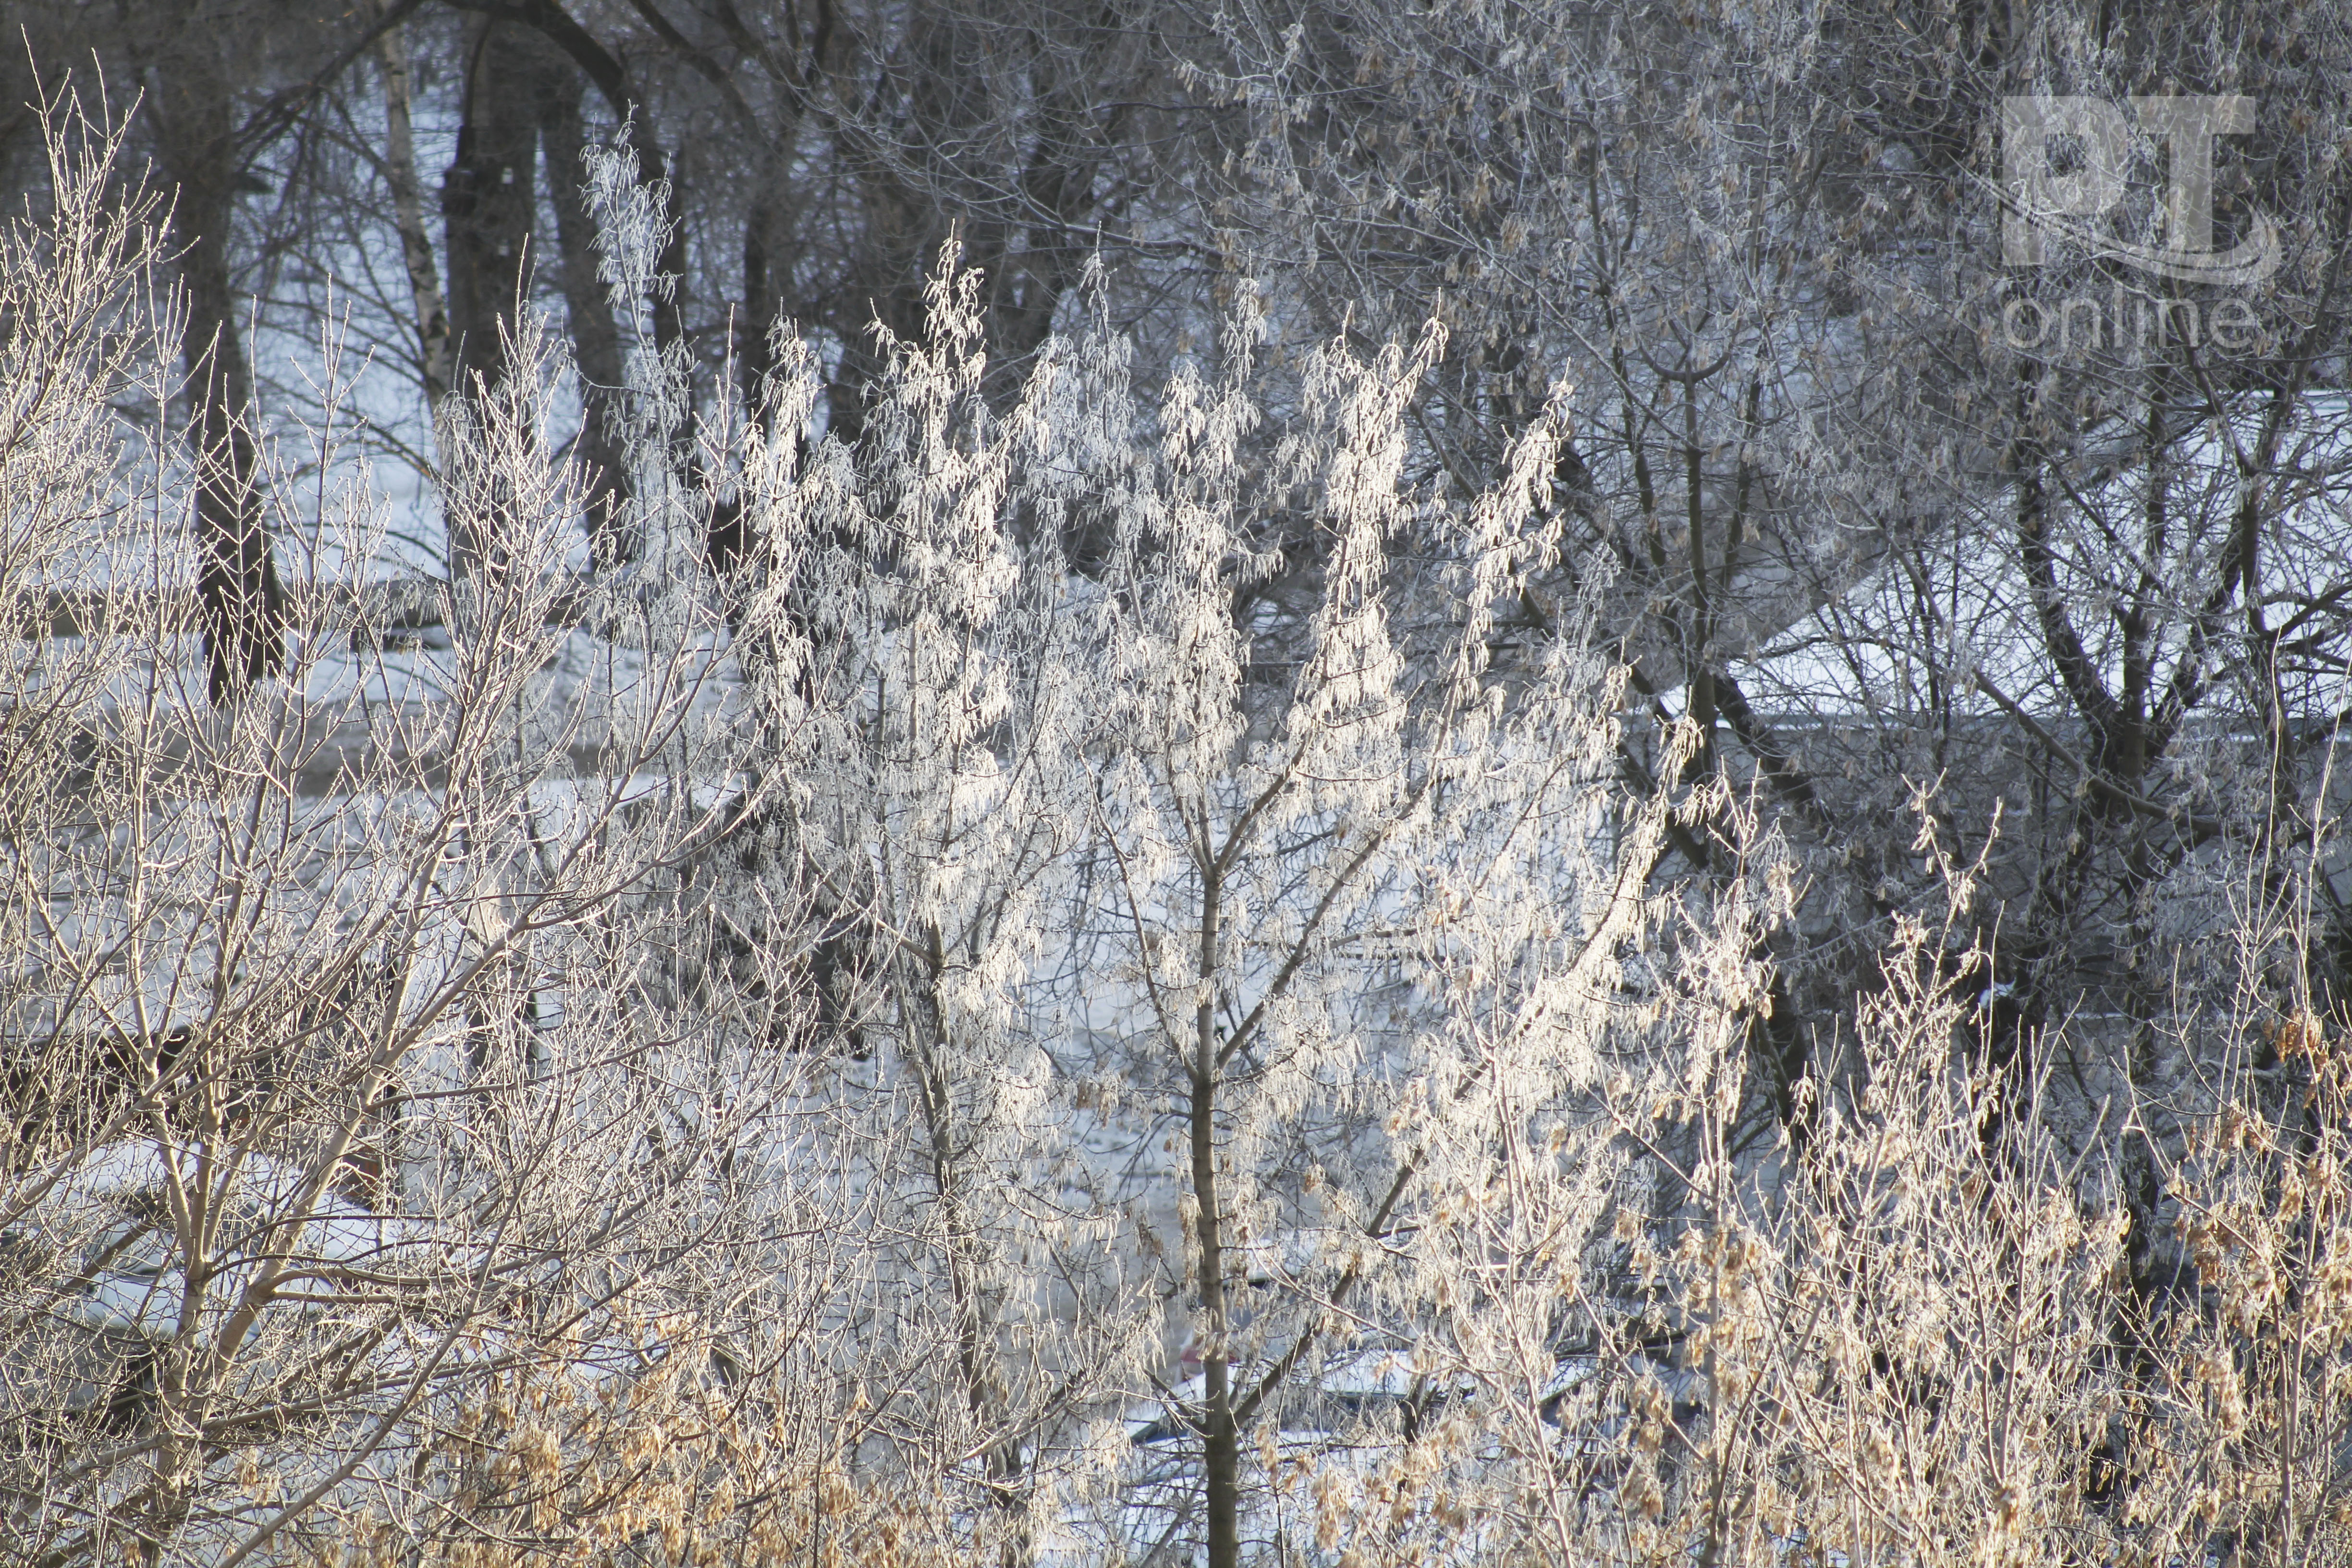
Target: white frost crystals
1161	872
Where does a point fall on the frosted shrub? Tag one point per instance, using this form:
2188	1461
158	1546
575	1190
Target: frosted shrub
347	1083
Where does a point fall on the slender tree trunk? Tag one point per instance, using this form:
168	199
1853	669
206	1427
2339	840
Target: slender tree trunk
727	539
416	243
765	264
965	1249
595	336
241	609
1221	1435
489	197
901	246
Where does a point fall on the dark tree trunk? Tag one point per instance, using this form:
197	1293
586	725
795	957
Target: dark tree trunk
595	337
241	608
487	198
1220	1427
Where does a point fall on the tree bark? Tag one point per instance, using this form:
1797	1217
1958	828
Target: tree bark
595	336
415	244
487	198
1220	1432
241	608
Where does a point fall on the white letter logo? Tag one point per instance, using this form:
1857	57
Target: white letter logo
2038	202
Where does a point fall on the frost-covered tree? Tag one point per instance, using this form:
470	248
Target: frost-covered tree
1103	888
348	1081
1511	848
